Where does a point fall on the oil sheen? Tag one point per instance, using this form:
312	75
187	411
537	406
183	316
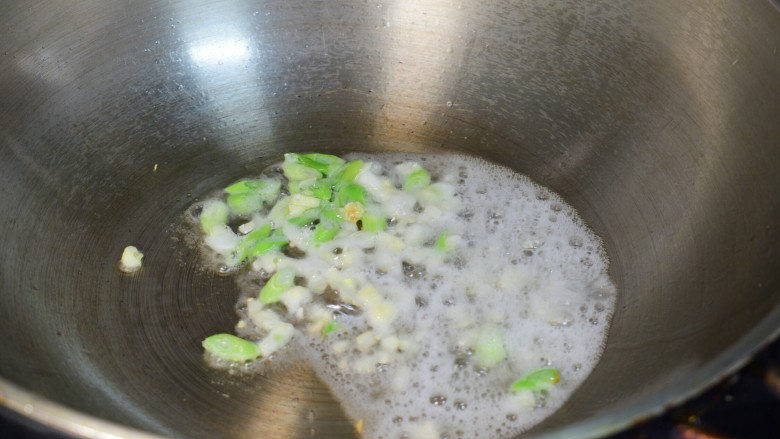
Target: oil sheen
523	264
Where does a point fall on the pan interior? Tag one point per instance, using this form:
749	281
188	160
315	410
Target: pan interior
656	121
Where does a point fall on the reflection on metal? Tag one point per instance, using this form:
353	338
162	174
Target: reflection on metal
221	52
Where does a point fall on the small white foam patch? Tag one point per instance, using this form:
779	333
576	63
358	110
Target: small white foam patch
527	263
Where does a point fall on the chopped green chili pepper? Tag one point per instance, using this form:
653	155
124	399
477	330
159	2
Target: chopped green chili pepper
328	159
540	379
321	189
275	241
348	172
242	186
311	187
270	190
231	348
295	171
325	231
434	193
330	214
329	327
490	349
306	217
416	180
268	245
214	213
280	282
281	210
257	234
244	203
324	163
441	242
349	193
256	243
248	196
372	222
295	186
300	203
266	189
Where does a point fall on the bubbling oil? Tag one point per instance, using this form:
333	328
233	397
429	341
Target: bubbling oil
527	264
530	265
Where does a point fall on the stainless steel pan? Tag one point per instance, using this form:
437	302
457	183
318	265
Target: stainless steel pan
659	121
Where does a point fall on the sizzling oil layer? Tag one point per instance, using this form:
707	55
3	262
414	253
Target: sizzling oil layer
522	264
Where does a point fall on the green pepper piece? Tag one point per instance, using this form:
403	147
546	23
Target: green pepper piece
267	189
231	348
348	172
441	242
280	282
350	193
268	245
276	241
330	214
321	189
214	213
324	163
295	186
372	222
306	218
247	196
325	231
539	379
329	327
257	234
295	171
490	349
260	241
244	203
280	210
242	186
416	180
255	243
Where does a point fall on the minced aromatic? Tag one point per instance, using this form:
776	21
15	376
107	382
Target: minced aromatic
437	295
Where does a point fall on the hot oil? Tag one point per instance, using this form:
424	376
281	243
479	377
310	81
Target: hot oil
526	264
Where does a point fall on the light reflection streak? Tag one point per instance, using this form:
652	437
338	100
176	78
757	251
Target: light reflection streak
220	52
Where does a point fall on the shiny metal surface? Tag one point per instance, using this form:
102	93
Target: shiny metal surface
658	120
